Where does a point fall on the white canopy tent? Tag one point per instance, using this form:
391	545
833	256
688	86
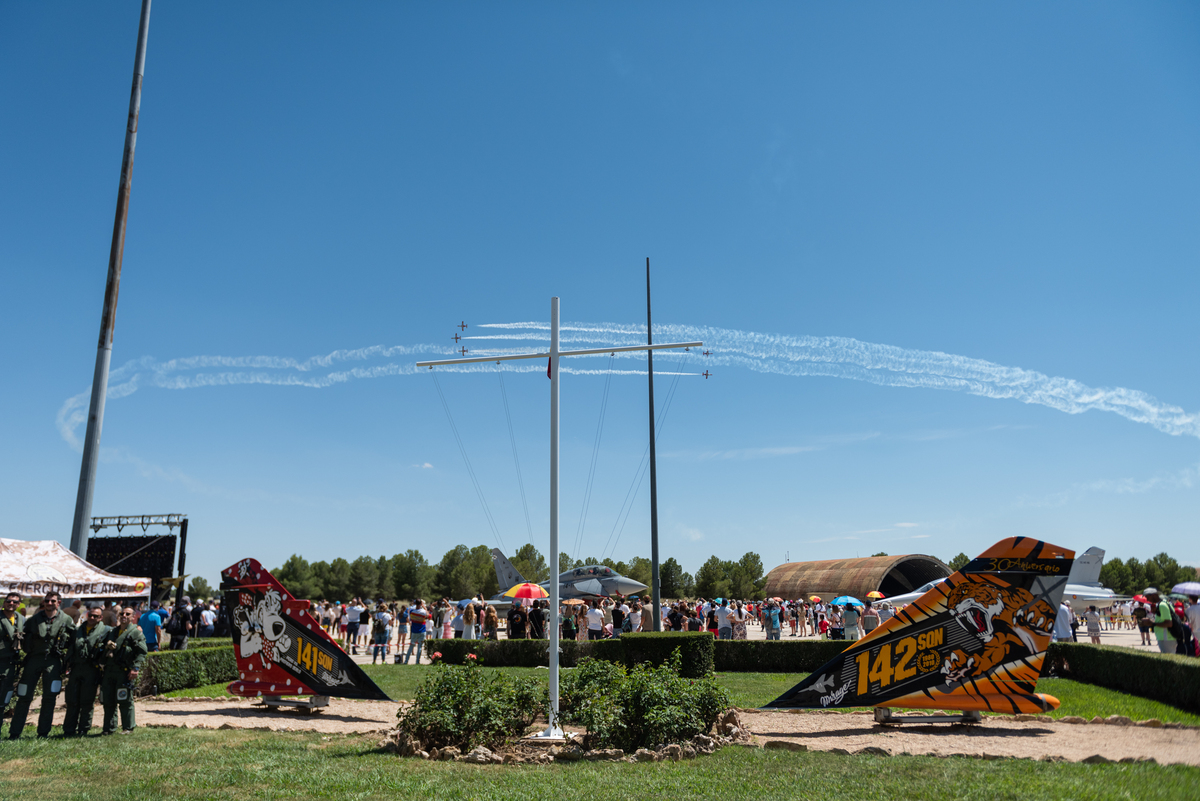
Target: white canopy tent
34	567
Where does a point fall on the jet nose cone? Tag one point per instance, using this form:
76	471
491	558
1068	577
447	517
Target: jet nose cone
627	586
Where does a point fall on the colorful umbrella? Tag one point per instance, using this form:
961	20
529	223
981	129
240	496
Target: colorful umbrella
1187	588
846	600
526	590
816	599
574	602
1141	599
874	594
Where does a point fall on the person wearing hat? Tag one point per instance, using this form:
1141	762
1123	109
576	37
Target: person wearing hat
1161	613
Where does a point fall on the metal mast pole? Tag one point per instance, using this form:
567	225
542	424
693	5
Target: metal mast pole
108	317
655	583
553	729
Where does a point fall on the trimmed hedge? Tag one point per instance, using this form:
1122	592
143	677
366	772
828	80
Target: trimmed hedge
166	671
699	651
1169	678
523	653
208	642
775	656
695	650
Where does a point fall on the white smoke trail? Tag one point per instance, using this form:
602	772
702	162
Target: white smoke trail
836	357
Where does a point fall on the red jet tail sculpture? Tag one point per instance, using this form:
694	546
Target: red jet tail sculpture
280	648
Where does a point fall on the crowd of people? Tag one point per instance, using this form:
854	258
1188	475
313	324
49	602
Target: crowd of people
1166	624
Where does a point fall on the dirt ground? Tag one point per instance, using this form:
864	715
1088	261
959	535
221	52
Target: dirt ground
995	737
340	717
816	731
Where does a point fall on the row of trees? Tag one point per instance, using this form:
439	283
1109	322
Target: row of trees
462	572
1131	576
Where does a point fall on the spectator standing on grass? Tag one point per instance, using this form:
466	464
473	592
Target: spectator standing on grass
47	635
417	618
124	655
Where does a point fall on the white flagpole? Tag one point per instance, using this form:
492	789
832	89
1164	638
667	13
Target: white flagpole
553	729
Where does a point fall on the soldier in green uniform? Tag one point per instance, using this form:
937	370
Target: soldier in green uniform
83	671
124	654
47	635
12	628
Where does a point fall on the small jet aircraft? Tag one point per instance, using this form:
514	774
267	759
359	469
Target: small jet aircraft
462	326
706	374
281	649
586	583
456	339
974	642
463	350
1083	585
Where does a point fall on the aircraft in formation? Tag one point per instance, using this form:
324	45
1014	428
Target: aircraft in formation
585	583
1083	585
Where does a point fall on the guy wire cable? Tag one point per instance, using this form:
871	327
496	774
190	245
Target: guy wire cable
643	465
470	470
512	438
587	491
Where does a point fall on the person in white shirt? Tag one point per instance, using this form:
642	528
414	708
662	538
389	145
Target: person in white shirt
635	617
1193	615
724	617
595	621
1062	623
354	612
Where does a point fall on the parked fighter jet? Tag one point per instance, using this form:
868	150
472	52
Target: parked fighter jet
588	582
1083	585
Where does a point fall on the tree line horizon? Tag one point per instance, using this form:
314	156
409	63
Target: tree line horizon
464	572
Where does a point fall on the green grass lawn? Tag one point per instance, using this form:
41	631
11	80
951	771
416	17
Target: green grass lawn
750	690
198	764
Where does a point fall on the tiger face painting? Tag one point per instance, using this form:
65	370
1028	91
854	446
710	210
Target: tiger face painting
1007	620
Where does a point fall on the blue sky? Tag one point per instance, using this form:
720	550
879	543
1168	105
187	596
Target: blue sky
1010	186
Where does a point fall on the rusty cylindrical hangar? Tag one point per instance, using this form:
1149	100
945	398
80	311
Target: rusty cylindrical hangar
890	575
